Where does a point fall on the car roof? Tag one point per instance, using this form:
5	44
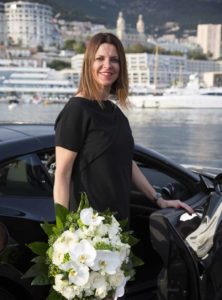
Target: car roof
17	139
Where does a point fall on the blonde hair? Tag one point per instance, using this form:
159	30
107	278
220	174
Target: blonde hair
88	87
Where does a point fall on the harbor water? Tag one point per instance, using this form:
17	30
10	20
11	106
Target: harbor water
188	136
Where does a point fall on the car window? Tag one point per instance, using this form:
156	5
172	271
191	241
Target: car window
157	177
163	181
47	158
24	176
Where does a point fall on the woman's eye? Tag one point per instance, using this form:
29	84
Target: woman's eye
99	58
115	60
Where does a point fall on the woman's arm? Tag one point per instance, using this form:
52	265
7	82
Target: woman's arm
64	164
144	186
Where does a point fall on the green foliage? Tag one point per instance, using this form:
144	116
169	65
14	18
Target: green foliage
84	202
39	271
43	271
59	65
77	46
69	44
61	215
196	55
39	248
47	228
54	296
128	238
136	48
103	246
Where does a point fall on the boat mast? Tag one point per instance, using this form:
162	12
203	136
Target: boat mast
156	69
180	83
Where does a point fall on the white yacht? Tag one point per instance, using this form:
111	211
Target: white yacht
36	84
191	96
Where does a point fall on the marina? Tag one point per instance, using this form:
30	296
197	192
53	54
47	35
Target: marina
35	85
188	136
190	96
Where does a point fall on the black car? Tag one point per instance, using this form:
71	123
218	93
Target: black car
182	253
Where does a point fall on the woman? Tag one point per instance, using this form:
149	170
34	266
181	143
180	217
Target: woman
94	143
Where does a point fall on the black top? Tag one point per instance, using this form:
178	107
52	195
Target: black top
103	167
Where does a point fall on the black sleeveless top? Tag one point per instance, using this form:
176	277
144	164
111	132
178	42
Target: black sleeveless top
103	167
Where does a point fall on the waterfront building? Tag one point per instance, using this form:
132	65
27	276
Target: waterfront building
78	30
29	24
148	70
138	71
22	62
76	65
212	79
2	24
172	44
130	36
27	82
209	38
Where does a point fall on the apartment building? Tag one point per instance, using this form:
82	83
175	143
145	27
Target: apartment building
28	24
2	24
209	38
146	70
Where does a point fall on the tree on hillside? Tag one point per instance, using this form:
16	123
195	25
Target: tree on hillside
136	48
77	46
59	65
196	55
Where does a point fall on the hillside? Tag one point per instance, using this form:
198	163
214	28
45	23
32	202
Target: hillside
188	13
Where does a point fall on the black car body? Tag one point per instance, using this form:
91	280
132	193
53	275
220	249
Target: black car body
182	253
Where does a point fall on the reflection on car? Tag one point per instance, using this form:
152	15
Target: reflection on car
182	253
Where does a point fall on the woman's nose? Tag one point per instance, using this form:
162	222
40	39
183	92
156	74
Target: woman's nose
107	63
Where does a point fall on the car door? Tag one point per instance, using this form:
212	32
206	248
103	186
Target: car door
190	247
25	197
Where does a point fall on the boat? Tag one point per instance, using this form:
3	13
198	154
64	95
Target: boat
190	96
13	101
35	85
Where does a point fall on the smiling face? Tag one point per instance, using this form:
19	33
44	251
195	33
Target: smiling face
106	67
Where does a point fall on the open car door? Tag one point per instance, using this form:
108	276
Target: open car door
190	247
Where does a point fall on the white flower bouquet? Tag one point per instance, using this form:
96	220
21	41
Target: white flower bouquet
88	255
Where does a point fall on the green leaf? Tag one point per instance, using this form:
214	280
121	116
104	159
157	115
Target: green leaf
123	223
59	223
61	214
41	279
127	237
39	268
54	296
39	248
31	272
136	261
47	228
84	202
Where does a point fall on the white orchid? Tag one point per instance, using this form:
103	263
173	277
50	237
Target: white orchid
117	279
62	246
121	289
90	218
90	258
83	253
60	283
69	292
102	230
114	228
107	261
79	275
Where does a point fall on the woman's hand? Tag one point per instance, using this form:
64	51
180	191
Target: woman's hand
162	203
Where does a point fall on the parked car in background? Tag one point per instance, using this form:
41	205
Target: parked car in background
182	253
